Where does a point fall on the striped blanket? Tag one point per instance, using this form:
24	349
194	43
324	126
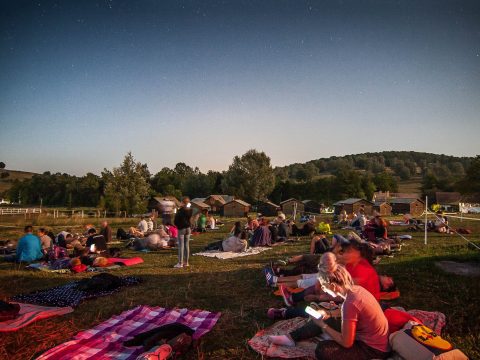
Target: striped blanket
105	341
29	313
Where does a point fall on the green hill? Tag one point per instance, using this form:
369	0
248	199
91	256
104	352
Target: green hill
6	181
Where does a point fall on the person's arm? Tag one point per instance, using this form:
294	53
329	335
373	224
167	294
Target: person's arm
312	244
345	338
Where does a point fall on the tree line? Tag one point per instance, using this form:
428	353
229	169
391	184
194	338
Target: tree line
250	177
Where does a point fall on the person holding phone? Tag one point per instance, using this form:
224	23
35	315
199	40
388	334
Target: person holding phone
364	327
182	222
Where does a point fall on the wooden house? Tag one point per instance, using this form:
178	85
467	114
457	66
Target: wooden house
215	202
353	205
288	206
382	208
198	205
162	204
415	207
312	206
267	208
236	208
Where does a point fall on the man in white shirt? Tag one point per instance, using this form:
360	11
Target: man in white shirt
142	226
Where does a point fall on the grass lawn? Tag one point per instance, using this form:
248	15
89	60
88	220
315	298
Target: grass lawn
237	289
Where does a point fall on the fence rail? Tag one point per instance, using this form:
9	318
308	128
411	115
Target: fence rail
19	211
56	213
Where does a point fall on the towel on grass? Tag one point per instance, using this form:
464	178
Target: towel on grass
29	313
46	267
230	255
69	294
303	349
105	341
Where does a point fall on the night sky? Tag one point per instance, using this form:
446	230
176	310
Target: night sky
84	82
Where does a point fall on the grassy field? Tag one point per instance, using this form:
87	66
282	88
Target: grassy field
237	289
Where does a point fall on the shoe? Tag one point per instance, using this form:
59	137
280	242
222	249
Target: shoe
276	314
287	296
282	262
178	266
270	276
186	265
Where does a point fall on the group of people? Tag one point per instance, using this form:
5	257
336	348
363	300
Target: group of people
45	244
338	276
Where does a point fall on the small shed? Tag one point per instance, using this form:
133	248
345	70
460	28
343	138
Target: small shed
198	206
383	208
163	204
268	208
312	206
215	202
353	205
288	206
449	201
411	206
236	208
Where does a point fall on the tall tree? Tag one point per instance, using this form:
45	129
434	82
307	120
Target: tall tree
126	187
250	176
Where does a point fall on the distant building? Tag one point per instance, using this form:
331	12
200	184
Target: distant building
353	205
449	201
268	208
198	205
415	207
216	202
289	206
383	208
163	203
236	208
385	196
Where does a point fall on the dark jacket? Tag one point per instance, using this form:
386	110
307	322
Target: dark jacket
182	218
107	233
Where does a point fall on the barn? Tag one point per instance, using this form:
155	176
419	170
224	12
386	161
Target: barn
236	208
353	205
411	206
268	208
383	208
288	206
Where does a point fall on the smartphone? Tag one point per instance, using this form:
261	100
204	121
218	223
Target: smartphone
311	311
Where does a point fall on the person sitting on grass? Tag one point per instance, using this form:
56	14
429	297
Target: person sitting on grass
261	234
29	247
96	243
154	241
376	229
308	228
363	332
45	240
283	230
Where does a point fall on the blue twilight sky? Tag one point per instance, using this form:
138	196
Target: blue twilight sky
83	82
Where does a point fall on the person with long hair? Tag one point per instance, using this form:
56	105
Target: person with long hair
363	333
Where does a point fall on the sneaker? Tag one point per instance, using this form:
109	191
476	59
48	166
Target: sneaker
287	296
178	266
270	276
282	262
186	265
276	314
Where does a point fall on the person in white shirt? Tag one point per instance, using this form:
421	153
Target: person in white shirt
142	226
150	224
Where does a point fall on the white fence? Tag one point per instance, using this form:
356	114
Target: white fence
56	213
19	211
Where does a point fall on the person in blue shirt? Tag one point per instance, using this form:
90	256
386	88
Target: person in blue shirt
29	247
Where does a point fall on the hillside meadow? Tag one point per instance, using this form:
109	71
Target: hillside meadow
237	289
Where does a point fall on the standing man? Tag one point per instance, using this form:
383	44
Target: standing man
182	222
106	231
29	247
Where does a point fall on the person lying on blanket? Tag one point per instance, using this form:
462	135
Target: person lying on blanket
154	241
235	243
363	333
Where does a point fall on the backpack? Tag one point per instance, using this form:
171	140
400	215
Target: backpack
56	252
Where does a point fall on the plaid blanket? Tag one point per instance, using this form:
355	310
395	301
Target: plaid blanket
105	341
68	294
30	313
